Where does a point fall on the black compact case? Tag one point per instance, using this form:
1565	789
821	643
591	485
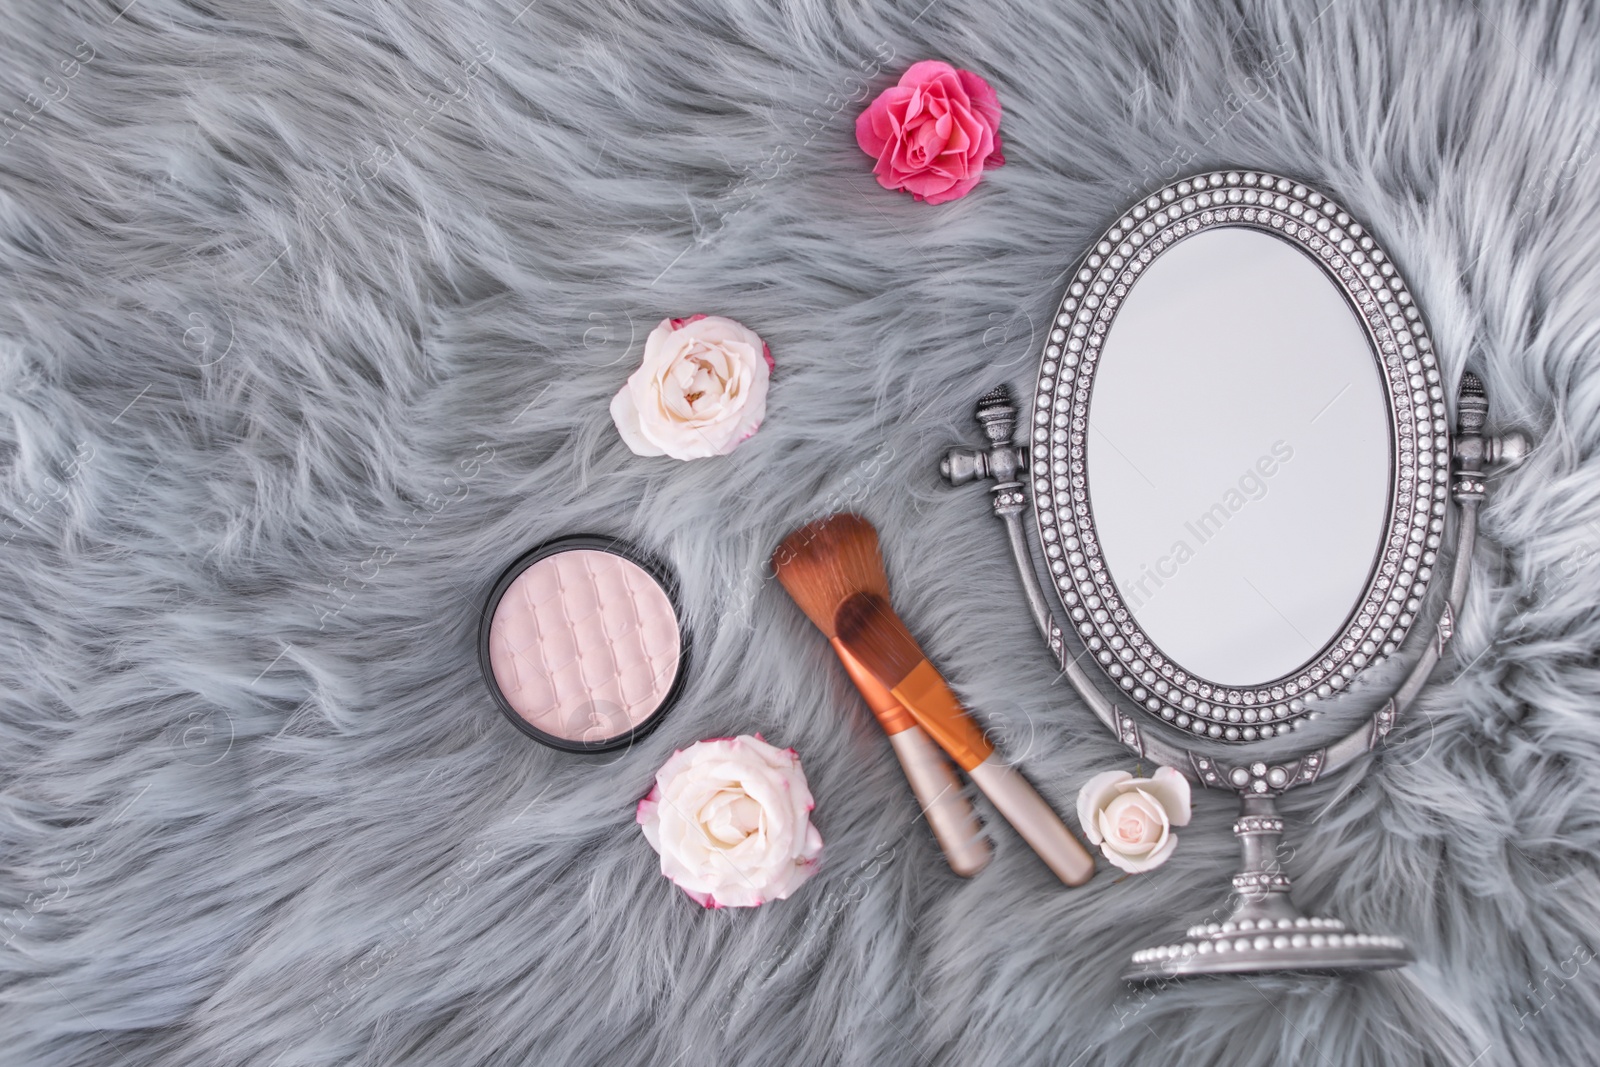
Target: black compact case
598	737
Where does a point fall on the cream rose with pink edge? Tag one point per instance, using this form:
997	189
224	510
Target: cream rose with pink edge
731	818
1131	819
700	390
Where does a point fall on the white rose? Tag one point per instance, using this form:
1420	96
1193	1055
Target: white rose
700	390
731	818
1131	819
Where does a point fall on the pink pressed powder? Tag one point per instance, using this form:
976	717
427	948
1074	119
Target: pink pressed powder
583	644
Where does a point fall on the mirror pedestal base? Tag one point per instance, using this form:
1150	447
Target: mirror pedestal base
1265	931
1319	945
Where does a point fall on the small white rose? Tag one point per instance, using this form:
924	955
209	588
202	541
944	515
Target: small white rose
1131	819
731	818
700	390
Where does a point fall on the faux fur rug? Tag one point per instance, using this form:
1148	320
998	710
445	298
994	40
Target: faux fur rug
310	312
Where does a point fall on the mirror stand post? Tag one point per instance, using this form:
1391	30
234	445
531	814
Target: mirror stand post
1264	931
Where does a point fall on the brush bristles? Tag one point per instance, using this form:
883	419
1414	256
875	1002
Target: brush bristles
868	627
824	563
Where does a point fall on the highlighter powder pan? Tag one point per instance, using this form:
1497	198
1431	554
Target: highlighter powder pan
581	645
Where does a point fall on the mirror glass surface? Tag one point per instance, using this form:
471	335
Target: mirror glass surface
1239	456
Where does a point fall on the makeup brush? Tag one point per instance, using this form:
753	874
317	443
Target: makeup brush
835	563
821	565
869	629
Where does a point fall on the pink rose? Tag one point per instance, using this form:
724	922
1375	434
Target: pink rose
932	134
731	818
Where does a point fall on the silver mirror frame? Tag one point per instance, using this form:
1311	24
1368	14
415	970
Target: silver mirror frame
1263	930
1419	451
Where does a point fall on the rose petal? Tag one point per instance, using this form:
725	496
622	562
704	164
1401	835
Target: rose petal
1096	794
1124	810
1108	835
705	900
963	133
931	185
1164	823
947	87
625	413
879	124
1171	790
1151	860
982	97
724	817
925	71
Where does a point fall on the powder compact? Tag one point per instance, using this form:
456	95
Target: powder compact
581	643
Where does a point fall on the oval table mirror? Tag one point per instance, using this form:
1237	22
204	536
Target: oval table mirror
1249	512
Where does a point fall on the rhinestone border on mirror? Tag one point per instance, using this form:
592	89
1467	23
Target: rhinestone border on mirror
1419	442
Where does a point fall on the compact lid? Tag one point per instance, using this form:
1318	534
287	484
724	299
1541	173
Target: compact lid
581	643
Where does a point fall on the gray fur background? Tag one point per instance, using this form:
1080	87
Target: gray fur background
310	311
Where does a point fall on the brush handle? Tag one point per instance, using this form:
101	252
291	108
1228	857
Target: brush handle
1032	817
934	781
926	695
938	789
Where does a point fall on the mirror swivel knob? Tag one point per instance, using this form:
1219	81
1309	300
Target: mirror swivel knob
1478	454
1507	450
1002	460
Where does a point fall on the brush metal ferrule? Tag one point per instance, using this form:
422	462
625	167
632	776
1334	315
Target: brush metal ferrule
891	714
926	696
